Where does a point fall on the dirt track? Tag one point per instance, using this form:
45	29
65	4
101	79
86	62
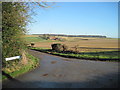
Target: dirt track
59	72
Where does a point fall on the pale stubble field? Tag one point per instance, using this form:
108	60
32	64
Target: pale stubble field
83	44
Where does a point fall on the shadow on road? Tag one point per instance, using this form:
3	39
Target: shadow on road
95	79
9	77
106	81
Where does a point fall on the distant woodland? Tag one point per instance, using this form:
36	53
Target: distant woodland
97	36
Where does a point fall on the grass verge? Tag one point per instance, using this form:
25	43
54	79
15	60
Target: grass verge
102	56
21	69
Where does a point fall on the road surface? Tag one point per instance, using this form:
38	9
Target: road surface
59	72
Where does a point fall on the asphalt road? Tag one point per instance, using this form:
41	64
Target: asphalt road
59	72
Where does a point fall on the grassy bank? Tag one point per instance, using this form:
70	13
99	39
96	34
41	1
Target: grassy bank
20	68
103	56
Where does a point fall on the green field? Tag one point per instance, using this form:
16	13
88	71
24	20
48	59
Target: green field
34	39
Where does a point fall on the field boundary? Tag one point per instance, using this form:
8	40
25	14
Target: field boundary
76	57
96	48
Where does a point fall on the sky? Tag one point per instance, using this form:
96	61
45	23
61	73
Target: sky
77	18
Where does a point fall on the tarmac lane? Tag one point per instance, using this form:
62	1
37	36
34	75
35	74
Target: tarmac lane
59	72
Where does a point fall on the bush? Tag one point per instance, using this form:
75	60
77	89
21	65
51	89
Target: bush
14	20
57	47
32	44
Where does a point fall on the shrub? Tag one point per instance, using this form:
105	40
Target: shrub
32	44
57	47
14	20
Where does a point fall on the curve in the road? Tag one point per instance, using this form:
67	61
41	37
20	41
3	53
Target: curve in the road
59	72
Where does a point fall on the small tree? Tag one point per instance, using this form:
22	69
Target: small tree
15	17
14	21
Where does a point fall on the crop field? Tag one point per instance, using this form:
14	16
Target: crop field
82	44
78	47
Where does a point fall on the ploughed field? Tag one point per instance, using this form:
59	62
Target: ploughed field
83	44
